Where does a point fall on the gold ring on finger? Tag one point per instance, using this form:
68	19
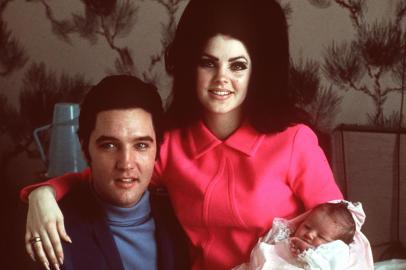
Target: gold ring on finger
35	239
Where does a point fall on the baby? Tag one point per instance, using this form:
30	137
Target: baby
318	239
325	223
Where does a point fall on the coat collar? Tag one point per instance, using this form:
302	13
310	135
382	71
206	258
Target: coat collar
201	140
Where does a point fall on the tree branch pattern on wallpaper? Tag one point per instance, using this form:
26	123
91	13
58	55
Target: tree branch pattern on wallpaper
40	91
167	32
321	102
109	19
363	64
12	55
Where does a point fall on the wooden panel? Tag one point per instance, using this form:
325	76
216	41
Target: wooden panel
365	167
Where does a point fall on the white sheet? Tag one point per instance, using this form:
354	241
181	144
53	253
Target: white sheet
272	251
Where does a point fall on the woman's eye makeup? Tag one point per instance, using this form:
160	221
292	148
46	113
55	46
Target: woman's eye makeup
207	62
238	65
233	66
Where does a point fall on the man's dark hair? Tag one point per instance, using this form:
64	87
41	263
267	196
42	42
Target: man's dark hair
261	26
115	93
340	213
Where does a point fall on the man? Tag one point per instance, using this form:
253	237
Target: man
109	218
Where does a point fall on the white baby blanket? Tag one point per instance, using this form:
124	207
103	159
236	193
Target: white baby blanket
272	251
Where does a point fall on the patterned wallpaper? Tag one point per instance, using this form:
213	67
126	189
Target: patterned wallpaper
346	58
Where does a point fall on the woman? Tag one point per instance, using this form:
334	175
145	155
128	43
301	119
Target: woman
235	155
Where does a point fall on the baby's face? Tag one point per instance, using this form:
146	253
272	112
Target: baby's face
318	229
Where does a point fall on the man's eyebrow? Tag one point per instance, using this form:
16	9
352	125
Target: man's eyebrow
232	59
105	138
144	138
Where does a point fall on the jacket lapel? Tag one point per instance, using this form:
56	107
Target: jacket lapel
101	233
104	239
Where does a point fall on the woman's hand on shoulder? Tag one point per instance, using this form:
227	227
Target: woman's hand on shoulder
45	228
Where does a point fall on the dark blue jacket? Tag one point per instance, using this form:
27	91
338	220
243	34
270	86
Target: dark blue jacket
94	247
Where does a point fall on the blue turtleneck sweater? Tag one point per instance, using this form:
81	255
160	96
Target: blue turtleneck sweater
133	231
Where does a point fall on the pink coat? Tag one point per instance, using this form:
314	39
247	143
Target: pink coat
227	193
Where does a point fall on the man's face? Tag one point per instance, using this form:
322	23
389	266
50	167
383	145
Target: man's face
122	150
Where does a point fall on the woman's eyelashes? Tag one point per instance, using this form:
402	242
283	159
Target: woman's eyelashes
207	63
238	65
233	66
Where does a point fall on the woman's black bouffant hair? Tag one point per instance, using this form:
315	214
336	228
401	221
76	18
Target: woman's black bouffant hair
261	26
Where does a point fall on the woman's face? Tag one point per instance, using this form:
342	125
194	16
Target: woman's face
223	75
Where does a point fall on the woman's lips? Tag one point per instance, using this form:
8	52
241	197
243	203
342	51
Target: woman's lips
220	93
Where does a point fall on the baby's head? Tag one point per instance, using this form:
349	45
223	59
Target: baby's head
325	223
